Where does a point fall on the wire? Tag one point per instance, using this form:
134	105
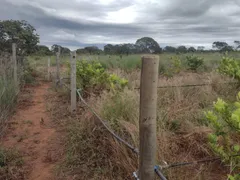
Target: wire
179	164
159	173
135	150
191	85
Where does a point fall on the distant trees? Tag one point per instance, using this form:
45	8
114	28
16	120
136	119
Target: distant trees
20	32
64	50
148	45
170	49
200	48
42	50
219	45
182	49
192	49
142	45
237	45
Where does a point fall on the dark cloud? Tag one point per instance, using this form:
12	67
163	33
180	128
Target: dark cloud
81	22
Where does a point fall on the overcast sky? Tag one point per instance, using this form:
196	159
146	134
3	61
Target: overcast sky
76	23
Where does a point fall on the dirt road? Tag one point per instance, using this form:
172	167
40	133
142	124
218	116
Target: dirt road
31	132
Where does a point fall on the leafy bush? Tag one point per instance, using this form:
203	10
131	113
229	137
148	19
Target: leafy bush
170	68
230	66
194	62
91	74
225	121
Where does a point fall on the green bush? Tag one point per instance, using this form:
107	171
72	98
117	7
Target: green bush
194	62
91	74
230	66
225	121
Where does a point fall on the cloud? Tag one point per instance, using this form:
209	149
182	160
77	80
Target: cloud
76	23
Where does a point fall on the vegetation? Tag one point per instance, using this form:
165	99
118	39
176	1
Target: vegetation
92	75
230	66
225	121
11	164
194	62
20	32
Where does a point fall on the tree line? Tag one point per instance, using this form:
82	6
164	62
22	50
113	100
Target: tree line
24	34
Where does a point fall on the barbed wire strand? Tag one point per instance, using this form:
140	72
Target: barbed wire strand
179	164
135	150
191	85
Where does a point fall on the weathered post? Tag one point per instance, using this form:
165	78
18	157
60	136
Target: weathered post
14	59
48	69
147	121
73	81
58	63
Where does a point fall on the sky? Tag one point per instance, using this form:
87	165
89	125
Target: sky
79	23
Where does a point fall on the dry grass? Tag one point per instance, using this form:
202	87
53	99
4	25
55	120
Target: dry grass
92	153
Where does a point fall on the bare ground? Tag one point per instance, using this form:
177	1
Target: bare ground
32	134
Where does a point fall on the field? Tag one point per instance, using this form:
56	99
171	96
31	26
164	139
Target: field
188	86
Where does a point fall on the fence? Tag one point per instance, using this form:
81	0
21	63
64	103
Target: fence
147	121
11	73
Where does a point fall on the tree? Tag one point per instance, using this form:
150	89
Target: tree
181	49
227	49
54	48
237	45
200	48
219	45
20	32
109	49
170	49
64	50
192	49
148	45
42	50
93	50
81	51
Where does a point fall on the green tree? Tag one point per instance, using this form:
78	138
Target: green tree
192	49
64	50
148	45
219	45
20	32
200	48
42	50
181	49
227	49
170	49
237	45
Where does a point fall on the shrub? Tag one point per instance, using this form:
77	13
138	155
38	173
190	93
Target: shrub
230	66
91	74
225	121
194	62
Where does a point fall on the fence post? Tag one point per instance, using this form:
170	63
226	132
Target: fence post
147	121
58	62
14	59
73	81
48	69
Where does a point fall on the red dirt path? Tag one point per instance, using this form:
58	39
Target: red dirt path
30	133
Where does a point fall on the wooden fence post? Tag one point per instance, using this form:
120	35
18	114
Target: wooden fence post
58	62
48	69
148	113
73	81
14	59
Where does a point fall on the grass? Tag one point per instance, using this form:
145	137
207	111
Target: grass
11	165
92	153
182	130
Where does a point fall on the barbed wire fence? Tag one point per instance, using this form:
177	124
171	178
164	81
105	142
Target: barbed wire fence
11	74
156	168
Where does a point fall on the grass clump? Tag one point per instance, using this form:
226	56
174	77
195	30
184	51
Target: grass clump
11	165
